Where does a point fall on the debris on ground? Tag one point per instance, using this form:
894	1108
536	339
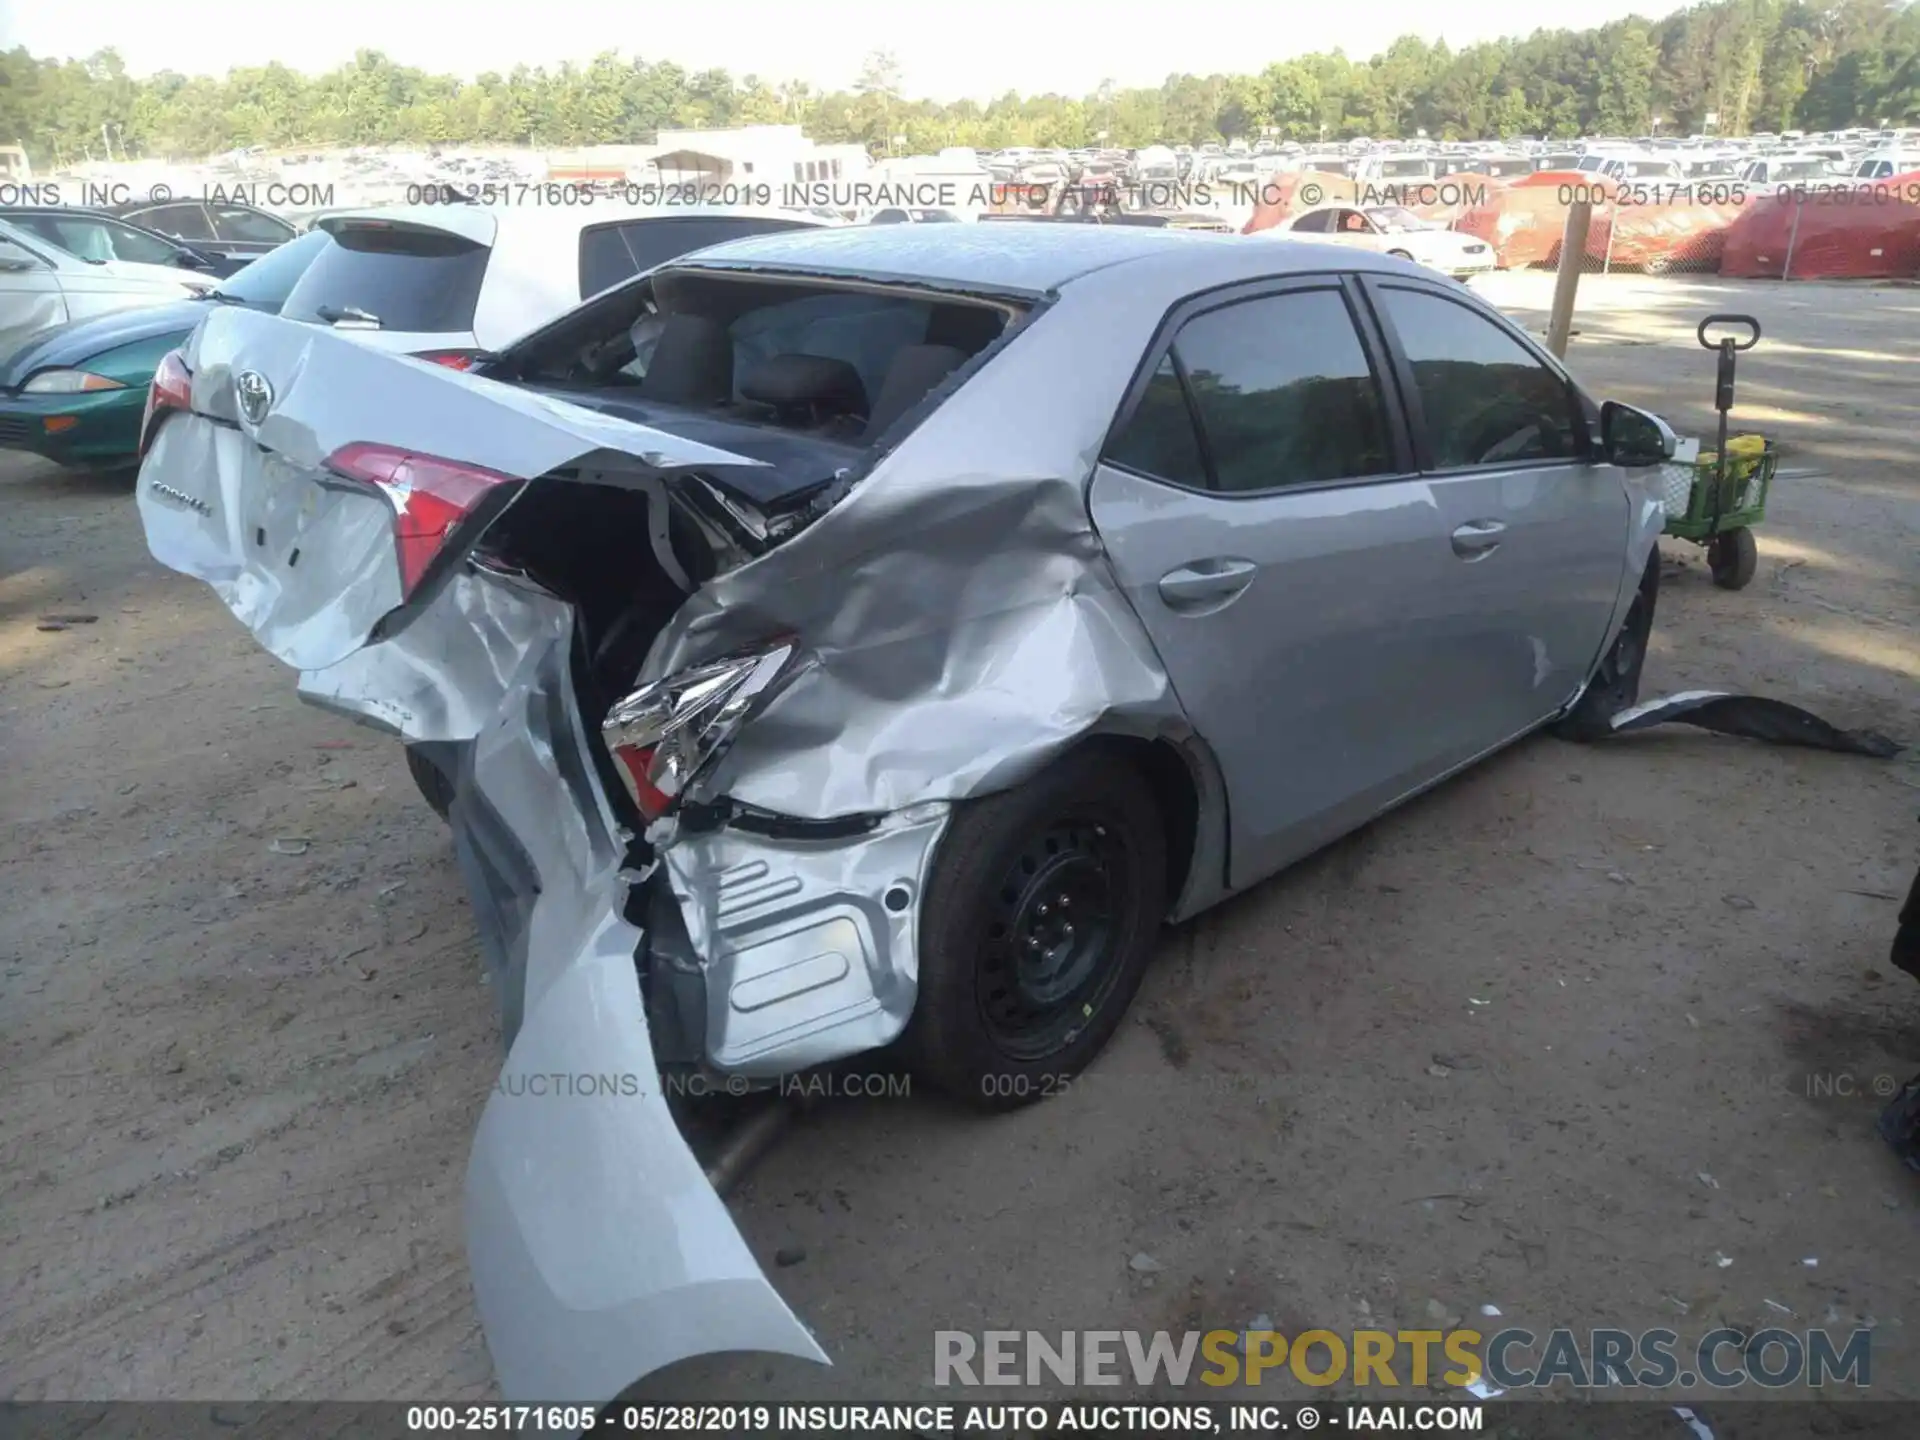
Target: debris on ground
1144	1264
1753	717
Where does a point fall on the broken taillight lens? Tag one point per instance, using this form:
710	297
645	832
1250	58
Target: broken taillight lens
430	497
664	734
452	359
172	389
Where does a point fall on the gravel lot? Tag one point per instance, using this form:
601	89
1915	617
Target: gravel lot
1556	1038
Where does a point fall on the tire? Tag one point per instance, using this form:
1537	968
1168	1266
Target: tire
434	785
1733	557
1616	683
988	1030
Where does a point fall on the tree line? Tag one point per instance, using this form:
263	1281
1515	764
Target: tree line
1733	66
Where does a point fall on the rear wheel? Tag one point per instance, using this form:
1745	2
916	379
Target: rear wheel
1733	557
1040	918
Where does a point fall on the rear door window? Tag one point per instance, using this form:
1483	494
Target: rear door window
1159	440
1283	393
611	254
407	278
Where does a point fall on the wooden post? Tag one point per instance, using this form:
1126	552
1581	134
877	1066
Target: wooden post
1573	256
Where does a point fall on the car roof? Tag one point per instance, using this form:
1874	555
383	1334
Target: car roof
1025	257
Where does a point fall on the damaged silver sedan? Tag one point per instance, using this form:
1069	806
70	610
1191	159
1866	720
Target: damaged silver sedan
873	636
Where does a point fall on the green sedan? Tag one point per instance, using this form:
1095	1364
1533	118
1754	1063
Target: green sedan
76	393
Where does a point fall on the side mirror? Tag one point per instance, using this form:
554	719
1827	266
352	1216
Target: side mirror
192	260
1633	438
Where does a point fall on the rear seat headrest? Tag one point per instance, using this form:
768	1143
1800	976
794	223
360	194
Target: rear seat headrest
692	363
810	382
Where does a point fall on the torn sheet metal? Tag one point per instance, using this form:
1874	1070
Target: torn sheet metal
443	677
598	1249
1754	717
808	946
964	621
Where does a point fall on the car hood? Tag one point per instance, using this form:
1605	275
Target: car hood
78	341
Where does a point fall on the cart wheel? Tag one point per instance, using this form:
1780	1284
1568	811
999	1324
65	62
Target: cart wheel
1733	557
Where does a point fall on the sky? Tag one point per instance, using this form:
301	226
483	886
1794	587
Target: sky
948	51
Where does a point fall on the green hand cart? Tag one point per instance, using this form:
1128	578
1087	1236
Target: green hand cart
1716	500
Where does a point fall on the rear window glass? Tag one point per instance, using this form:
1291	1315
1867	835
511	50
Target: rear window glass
269	280
611	254
407	279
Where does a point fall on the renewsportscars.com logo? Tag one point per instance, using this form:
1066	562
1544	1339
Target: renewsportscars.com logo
1512	1359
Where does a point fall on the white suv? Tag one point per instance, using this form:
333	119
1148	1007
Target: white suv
453	282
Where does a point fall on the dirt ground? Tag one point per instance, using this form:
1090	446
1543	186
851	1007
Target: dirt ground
1561	1037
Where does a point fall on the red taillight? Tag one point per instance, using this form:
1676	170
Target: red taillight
172	389
452	359
430	496
636	761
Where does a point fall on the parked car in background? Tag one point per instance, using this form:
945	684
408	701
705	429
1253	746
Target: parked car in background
455	281
96	235
1885	164
1789	169
1392	230
874	635
42	285
75	393
234	232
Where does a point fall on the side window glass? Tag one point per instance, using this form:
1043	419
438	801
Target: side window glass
1314	222
246	226
1284	392
1487	399
183	222
1159	439
604	259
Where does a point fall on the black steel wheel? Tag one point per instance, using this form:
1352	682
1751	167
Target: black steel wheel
1046	959
1039	920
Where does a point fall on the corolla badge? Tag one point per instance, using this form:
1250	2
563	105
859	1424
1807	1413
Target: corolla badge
254	394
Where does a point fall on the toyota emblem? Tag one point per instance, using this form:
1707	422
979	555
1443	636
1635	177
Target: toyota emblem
255	395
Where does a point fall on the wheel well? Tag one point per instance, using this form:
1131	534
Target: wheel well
1166	773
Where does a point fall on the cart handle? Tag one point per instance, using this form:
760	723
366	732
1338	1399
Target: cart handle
1752	325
